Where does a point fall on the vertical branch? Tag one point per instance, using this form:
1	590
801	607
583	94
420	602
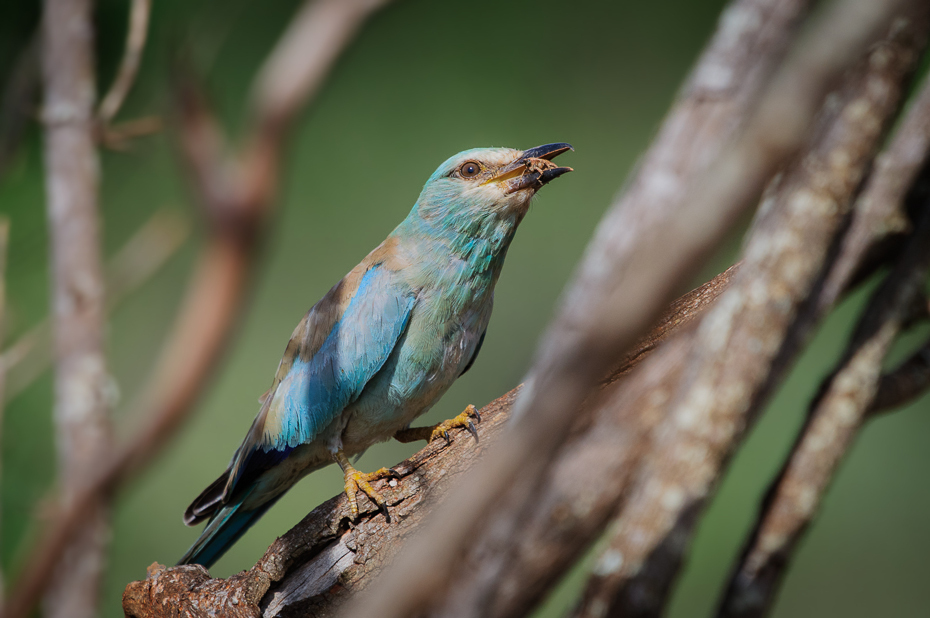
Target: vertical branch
4	248
237	188
81	399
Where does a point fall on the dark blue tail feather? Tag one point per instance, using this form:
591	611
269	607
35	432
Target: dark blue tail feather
223	530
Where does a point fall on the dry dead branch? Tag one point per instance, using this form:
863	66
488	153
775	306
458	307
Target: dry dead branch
838	413
238	206
129	65
745	344
82	384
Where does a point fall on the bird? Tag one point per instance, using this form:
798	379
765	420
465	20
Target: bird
383	345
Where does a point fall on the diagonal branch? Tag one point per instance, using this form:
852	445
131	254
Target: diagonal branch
905	383
846	397
744	345
627	275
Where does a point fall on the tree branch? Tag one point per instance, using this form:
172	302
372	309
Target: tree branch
238	206
907	382
838	413
744	345
129	65
82	423
4	250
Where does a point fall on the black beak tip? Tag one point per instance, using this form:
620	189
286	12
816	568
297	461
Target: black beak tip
547	151
552	174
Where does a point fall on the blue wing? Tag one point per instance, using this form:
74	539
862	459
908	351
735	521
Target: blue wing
316	390
313	389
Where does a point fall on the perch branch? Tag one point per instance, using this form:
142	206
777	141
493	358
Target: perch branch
296	575
82	401
834	419
739	353
238	206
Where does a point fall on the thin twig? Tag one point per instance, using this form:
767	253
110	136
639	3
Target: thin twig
905	383
628	274
129	65
238	210
82	399
127	270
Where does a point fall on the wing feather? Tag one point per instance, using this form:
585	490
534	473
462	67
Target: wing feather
363	316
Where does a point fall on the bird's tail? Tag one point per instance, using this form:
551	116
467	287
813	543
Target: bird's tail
225	527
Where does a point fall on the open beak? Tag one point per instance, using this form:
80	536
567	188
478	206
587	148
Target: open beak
532	169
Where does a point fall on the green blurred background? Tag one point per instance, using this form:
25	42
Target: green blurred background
423	81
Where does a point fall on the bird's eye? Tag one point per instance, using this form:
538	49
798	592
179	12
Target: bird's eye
469	169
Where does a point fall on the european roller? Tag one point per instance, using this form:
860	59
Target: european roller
383	345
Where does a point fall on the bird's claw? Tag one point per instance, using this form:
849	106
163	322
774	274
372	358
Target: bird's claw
463	420
356	481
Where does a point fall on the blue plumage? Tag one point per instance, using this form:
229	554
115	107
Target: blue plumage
381	347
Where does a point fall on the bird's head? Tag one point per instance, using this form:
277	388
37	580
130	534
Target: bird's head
488	181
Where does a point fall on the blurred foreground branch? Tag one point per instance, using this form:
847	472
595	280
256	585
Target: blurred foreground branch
745	345
849	394
129	65
237	190
454	565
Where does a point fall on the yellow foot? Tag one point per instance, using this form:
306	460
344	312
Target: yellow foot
356	481
442	429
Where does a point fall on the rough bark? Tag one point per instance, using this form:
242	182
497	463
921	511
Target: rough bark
740	348
626	275
312	568
81	380
848	396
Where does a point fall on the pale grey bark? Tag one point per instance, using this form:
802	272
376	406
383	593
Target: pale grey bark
82	397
